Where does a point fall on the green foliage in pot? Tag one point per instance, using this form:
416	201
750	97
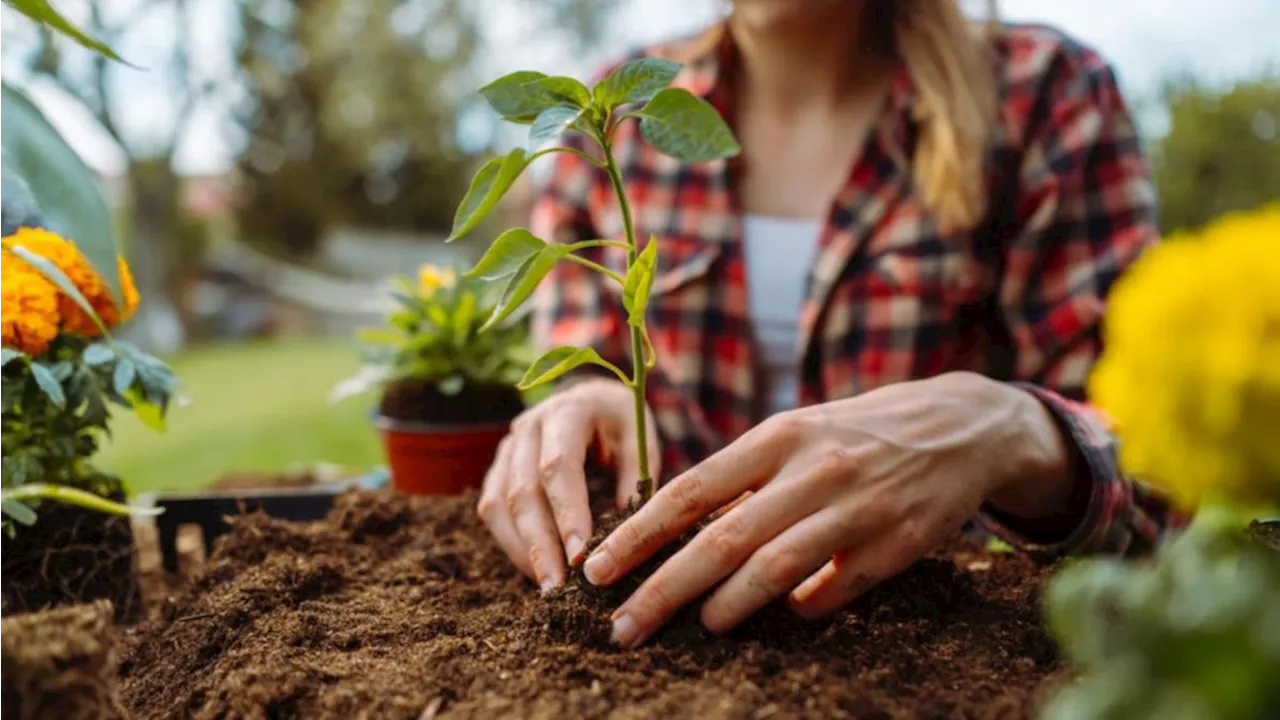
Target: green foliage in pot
672	120
432	335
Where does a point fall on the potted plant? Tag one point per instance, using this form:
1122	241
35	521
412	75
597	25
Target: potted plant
447	391
64	538
1192	633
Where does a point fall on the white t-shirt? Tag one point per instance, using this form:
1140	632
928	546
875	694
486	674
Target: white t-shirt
779	252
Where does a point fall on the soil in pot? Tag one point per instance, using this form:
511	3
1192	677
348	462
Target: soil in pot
71	556
403	607
61	663
417	401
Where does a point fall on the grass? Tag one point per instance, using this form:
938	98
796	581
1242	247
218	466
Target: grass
254	406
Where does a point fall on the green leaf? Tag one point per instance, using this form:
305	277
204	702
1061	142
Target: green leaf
62	370
42	12
507	253
559	89
8	354
380	336
122	379
49	384
55	275
488	186
515	102
19	511
65	191
524	281
686	127
635	82
561	360
463	316
98	354
151	414
639	280
550	123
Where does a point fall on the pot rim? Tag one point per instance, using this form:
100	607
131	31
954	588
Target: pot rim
382	422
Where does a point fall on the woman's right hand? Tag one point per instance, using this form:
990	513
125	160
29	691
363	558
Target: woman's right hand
535	495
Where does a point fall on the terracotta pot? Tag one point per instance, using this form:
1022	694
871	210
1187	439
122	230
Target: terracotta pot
439	459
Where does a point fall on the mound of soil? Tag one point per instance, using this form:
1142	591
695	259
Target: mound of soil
403	607
418	401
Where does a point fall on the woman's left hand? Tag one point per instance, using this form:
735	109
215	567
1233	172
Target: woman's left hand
833	498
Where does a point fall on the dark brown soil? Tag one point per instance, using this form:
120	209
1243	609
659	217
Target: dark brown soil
61	663
71	556
422	402
404	608
1266	532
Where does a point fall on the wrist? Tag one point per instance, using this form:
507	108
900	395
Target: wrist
1043	483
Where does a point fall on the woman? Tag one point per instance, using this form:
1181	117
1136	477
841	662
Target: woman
873	327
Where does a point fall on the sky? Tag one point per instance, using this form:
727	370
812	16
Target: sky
1145	40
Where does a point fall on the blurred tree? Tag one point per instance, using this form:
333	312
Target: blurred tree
151	185
351	108
348	114
1222	150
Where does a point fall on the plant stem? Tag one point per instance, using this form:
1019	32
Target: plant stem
74	496
645	486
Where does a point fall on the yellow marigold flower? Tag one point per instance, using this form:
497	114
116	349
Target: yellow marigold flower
1190	373
432	278
68	258
28	307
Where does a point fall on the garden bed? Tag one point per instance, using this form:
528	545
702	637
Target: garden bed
398	607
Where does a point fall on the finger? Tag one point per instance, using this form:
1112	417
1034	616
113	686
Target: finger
743	465
846	576
777	567
561	472
493	510
712	555
629	462
530	512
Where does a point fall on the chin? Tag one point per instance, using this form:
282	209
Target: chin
792	14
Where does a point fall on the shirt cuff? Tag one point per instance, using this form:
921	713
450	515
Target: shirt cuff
1110	492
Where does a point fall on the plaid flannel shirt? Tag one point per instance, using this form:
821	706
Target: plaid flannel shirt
889	297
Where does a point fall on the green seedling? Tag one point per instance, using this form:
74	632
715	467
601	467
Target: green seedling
673	120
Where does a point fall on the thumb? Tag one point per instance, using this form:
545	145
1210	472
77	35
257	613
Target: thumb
629	460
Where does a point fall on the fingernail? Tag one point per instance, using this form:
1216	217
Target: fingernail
548	584
625	632
573	547
599	567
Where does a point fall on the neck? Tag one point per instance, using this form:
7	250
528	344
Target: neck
817	52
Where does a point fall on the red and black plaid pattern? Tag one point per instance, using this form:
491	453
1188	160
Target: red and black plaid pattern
891	296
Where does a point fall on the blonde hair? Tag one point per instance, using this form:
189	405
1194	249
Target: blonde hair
952	65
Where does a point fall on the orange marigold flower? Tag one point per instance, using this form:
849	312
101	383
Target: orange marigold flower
28	307
68	258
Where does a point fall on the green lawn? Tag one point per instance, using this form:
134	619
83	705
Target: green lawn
254	406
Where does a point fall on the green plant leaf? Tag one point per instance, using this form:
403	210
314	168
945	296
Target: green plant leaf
509	96
686	127
125	373
490	183
550	123
452	385
149	413
635	82
559	89
49	384
55	275
8	354
98	354
561	360
64	190
639	280
524	281
507	253
62	370
42	12
463	316
19	511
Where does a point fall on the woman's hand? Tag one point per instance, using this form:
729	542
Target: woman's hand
535	495
834	498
